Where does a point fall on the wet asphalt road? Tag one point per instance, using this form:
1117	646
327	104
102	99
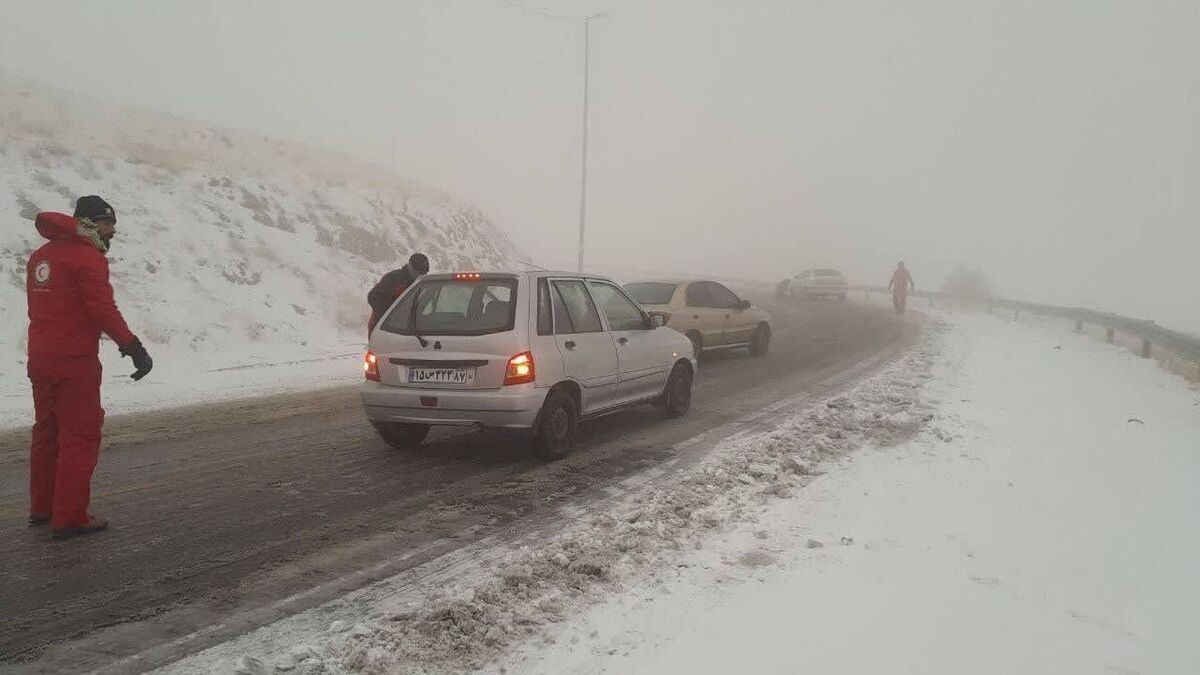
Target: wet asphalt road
220	510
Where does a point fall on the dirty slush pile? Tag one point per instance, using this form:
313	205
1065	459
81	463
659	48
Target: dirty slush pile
464	628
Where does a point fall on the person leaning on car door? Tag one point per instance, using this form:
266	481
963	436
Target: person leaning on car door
392	285
70	305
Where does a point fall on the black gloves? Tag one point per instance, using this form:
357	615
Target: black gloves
141	358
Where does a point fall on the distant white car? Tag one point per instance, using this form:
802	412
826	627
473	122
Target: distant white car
540	351
819	283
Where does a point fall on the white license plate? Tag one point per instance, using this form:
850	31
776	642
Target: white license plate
441	375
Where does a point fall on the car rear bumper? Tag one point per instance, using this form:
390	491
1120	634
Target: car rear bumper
514	407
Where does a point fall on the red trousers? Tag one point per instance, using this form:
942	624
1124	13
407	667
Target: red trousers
900	301
66	437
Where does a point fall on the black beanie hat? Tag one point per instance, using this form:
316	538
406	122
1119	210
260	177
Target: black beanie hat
419	263
94	208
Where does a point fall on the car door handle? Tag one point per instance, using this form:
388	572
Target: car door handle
623	340
569	344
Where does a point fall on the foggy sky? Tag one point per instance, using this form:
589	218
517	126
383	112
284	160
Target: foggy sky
1054	145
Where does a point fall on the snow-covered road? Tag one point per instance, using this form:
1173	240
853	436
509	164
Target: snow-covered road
1044	522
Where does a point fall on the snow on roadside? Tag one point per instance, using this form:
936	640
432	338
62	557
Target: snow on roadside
182	378
231	250
1044	523
466	626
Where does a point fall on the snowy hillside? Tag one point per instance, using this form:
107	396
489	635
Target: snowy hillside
228	244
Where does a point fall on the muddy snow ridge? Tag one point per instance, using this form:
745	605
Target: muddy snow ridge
464	628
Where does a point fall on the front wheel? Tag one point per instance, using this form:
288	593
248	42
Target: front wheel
677	396
402	436
762	340
554	435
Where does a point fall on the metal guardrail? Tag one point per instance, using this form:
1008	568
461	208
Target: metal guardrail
1150	333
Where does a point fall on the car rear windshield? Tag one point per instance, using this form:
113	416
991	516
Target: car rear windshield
652	293
827	273
455	307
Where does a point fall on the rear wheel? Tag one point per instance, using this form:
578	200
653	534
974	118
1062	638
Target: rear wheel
762	340
559	420
677	396
402	436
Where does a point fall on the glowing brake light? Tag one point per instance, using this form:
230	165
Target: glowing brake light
520	369
371	366
467	276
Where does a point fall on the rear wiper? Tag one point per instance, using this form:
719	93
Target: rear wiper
412	320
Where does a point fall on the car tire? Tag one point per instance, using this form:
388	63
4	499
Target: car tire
697	343
677	395
402	436
557	424
761	343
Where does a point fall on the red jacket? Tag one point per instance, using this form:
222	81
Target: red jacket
70	297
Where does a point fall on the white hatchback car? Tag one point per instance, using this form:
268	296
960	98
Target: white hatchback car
817	283
531	350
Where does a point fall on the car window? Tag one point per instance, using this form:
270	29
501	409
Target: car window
621	312
724	298
574	311
562	319
446	299
698	295
652	292
455	307
496	307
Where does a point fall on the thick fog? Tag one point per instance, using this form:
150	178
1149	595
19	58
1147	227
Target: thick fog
1055	146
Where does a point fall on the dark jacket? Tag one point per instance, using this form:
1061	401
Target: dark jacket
391	286
70	297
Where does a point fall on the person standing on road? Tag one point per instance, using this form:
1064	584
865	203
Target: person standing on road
70	305
392	285
900	285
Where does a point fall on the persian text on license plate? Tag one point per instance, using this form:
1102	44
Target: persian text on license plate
441	375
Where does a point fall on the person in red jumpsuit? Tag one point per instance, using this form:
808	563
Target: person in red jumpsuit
900	285
70	305
392	285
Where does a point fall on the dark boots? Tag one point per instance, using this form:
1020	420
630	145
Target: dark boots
94	524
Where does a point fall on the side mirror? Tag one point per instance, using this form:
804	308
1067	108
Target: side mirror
745	305
659	319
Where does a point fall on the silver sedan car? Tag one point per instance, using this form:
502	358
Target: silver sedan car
533	350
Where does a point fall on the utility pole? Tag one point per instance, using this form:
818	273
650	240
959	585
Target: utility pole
583	167
587	32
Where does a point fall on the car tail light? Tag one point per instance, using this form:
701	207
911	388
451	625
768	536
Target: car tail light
520	369
371	366
467	276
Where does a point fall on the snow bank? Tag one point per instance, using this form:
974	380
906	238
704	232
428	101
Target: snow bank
462	626
1043	523
232	249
